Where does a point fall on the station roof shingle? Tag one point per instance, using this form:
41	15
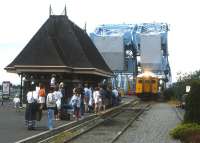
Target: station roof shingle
60	46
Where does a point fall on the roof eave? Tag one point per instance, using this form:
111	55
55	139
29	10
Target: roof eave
61	69
93	71
37	68
10	69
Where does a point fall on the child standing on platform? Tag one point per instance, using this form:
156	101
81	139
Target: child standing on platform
76	103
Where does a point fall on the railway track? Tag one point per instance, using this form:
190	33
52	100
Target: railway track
132	119
106	127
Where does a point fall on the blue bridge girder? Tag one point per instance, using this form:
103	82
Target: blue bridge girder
131	39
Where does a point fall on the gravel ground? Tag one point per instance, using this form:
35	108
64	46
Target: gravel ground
153	126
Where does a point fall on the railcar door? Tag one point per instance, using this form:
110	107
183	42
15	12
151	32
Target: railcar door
147	85
154	85
138	89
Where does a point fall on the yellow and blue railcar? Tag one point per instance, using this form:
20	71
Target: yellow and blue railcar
147	85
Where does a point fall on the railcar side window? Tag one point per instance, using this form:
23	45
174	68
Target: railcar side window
139	81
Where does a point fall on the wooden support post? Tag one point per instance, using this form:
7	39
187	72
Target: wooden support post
20	96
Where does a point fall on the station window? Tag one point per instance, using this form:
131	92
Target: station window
140	81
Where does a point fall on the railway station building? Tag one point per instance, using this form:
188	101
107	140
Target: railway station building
62	49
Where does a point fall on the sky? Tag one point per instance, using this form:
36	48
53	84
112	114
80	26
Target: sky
21	19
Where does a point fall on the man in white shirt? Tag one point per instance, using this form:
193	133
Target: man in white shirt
58	95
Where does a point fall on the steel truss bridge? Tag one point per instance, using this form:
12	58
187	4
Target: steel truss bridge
131	36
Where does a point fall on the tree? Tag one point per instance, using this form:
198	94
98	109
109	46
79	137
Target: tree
168	93
192	109
184	79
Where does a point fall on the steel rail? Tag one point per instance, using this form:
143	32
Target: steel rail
147	107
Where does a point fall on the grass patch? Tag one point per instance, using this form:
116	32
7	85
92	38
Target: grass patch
64	136
173	103
187	133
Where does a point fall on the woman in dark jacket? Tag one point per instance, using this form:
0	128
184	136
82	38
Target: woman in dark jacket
31	108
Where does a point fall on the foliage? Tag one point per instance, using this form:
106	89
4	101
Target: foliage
186	132
168	93
192	109
189	131
184	79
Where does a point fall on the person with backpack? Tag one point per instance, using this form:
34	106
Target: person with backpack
58	96
42	94
31	108
51	105
41	101
115	96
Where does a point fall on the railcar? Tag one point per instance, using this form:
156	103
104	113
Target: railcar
147	86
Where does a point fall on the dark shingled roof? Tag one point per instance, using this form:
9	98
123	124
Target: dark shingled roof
60	45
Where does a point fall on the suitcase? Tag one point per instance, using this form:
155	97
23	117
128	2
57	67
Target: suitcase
64	115
38	115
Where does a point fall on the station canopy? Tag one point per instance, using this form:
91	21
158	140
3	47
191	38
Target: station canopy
60	46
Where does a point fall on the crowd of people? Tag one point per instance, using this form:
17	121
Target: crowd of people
89	99
38	100
84	99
